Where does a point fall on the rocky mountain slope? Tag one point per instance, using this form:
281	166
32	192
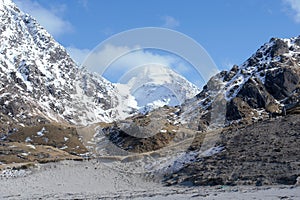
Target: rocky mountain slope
40	83
264	153
44	94
233	109
266	84
260	144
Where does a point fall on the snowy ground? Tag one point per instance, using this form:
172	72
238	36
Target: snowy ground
89	179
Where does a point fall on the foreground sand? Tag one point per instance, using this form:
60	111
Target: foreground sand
89	179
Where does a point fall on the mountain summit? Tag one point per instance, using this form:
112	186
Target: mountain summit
154	86
267	84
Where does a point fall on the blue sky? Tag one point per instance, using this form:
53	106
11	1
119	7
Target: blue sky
230	30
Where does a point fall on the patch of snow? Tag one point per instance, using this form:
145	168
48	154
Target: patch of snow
212	151
31	146
41	132
177	162
28	139
11	173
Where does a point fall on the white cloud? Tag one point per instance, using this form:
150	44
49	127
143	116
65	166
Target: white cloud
170	22
295	7
101	58
48	18
182	67
121	59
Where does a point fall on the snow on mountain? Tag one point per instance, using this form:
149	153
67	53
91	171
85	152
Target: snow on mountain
265	84
154	86
41	83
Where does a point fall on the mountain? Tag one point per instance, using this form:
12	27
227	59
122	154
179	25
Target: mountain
44	95
40	83
242	117
154	86
267	84
258	141
242	128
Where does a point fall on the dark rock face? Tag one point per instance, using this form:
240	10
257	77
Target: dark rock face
237	109
254	94
281	83
231	73
279	47
130	143
297	41
272	80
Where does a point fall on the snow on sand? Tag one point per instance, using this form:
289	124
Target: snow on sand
88	179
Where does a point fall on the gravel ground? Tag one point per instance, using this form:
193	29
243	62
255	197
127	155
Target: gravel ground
92	180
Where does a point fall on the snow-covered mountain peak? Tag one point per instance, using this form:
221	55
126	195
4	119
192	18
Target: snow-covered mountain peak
270	57
154	73
40	83
264	84
155	85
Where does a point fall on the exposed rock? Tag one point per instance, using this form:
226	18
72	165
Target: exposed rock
280	47
40	83
237	109
142	133
231	73
281	83
254	93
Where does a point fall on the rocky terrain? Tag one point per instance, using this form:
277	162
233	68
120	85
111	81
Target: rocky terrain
41	84
41	88
251	112
264	153
43	93
260	143
241	129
